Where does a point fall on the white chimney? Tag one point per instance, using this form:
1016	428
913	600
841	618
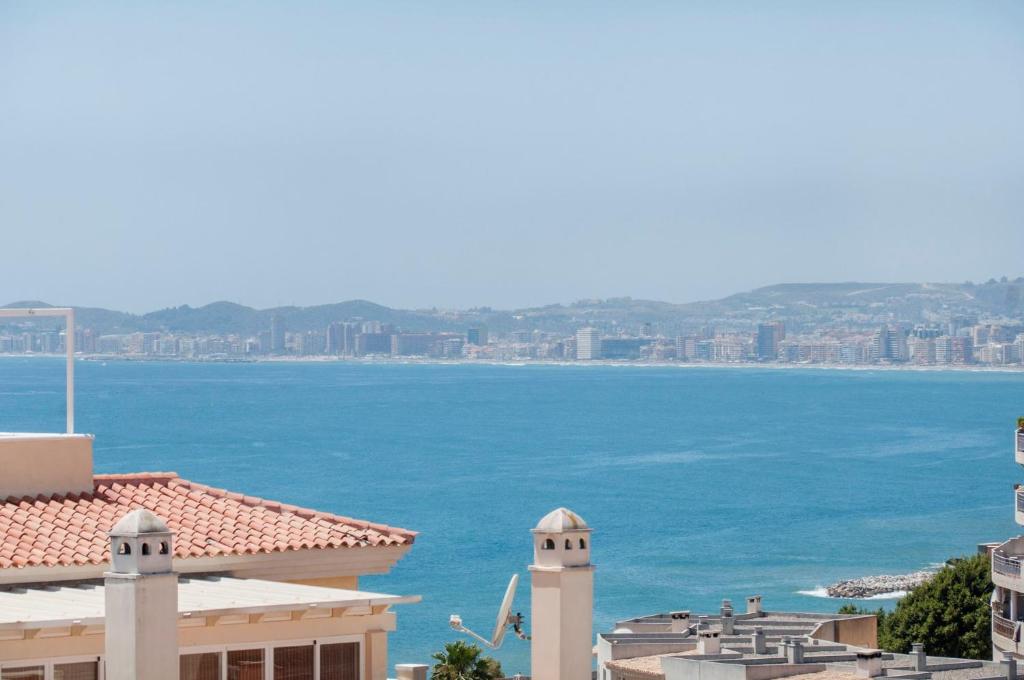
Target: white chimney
680	621
795	651
754	604
1009	662
920	656
562	598
869	663
709	642
141	592
757	641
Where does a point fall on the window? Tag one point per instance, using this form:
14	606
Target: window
339	661
245	664
549	544
68	668
163	548
334	658
83	670
204	666
145	548
22	673
568	544
293	663
124	549
583	544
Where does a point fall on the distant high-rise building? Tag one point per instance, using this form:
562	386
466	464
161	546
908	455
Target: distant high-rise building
889	344
277	333
647	330
686	347
335	338
954	350
588	344
769	335
477	336
413	344
980	335
373	343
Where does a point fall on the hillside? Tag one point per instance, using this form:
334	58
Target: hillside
799	304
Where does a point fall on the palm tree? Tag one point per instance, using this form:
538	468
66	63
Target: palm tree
461	661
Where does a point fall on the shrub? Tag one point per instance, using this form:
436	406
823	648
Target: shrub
950	614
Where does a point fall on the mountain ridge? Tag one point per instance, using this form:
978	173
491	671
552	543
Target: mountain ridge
797	303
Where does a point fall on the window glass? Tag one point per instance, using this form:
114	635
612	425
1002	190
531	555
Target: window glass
293	663
22	673
84	670
205	666
339	661
245	664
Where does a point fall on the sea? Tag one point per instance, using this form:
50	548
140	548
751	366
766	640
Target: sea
699	483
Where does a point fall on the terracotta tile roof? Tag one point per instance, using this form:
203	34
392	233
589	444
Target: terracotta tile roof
72	529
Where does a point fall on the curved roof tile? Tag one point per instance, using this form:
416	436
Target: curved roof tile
72	529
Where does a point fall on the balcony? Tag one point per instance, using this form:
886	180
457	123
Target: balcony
1008	564
1019	448
1004	633
1018	514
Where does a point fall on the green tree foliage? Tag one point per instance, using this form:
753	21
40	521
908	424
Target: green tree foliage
950	614
462	661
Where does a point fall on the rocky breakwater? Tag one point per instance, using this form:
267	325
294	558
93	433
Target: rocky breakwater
873	586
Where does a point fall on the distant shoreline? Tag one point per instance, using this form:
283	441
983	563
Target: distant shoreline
529	362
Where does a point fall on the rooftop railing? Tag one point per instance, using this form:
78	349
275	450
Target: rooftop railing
1020	500
1004	627
1006	565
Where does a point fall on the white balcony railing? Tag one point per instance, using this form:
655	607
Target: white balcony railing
1020	442
1006	565
1020	500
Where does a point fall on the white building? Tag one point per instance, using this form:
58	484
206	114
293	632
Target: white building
1008	577
588	344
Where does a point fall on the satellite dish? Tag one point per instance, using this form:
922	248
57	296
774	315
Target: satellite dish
503	612
505	619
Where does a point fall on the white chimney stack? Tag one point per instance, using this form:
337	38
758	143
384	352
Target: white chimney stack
869	663
562	598
141	592
709	642
680	621
754	604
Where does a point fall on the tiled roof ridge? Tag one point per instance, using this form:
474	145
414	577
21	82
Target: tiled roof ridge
134	477
251	501
305	513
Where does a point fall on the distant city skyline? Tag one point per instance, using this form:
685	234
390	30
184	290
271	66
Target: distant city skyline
508	154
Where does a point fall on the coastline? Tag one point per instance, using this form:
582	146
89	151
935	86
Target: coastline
1019	368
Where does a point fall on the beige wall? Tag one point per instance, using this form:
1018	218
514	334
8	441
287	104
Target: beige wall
861	631
343	582
45	464
238	630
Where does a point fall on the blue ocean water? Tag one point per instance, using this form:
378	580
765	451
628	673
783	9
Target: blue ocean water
699	483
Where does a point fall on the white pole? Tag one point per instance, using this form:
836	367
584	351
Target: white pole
69	344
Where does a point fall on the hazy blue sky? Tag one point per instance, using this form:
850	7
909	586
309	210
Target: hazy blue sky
506	154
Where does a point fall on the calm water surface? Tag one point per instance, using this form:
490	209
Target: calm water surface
700	484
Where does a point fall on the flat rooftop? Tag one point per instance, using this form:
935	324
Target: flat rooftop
83	604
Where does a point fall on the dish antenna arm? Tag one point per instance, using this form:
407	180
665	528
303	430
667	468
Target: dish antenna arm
505	619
